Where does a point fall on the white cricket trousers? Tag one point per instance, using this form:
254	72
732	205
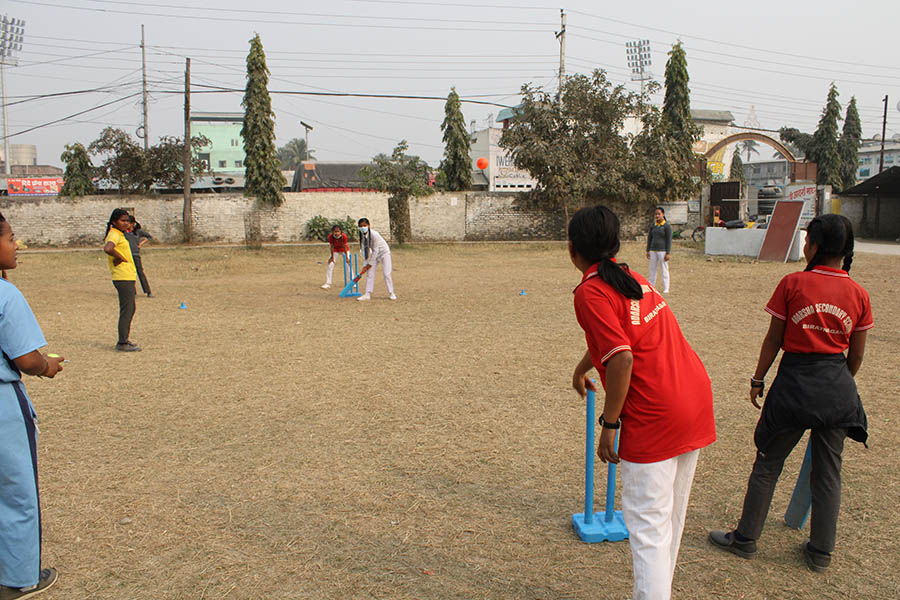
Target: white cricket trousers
654	503
658	262
385	262
335	256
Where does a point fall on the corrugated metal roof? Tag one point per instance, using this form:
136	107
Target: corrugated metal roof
712	116
886	183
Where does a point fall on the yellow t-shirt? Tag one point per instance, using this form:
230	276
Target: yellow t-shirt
124	271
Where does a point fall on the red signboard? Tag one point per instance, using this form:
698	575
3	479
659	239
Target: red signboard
33	186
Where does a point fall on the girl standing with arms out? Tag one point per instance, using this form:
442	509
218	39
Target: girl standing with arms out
338	245
657	393
817	314
124	274
376	251
21	575
659	247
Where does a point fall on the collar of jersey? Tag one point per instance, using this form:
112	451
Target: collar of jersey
823	270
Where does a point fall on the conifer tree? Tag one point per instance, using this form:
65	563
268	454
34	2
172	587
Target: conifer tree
457	163
262	168
825	143
737	166
677	129
848	145
78	178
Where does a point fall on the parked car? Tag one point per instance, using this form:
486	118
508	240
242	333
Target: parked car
770	190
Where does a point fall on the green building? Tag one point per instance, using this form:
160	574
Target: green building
225	152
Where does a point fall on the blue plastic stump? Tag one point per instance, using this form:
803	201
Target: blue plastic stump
351	287
608	526
183	305
522	293
801	499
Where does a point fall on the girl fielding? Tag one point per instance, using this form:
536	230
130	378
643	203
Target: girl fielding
21	575
659	247
817	314
375	250
338	245
124	274
657	391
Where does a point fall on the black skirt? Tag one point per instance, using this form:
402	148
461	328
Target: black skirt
811	391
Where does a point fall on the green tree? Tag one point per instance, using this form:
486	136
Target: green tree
825	142
848	145
293	153
677	129
798	143
402	176
737	166
165	160
457	163
262	169
78	178
125	163
749	146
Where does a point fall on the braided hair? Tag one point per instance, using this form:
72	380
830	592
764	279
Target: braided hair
594	233
833	236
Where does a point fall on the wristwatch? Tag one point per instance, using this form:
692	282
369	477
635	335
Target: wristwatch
605	425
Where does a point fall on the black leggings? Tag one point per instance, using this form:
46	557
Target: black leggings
126	307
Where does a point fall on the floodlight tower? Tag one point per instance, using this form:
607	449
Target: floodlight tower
638	54
11	33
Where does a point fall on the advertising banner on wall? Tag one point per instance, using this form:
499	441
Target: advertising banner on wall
806	193
33	186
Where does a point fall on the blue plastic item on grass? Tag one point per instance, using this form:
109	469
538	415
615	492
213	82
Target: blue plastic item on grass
183	305
522	293
801	499
608	526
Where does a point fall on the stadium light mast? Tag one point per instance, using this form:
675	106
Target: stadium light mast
11	33
637	52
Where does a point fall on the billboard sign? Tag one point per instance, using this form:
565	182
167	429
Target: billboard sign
33	186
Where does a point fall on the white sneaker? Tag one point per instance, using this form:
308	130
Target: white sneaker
393	296
326	286
364	297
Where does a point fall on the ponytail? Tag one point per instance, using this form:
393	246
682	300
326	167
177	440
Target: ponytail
594	233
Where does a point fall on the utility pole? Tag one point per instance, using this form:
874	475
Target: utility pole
187	212
146	131
883	129
561	36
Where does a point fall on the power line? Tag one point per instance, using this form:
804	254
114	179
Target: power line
72	116
67	57
66	94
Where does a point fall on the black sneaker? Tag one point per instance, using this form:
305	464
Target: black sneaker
815	560
127	347
727	541
47	579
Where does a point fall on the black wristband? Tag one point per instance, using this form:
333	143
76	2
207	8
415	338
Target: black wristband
605	425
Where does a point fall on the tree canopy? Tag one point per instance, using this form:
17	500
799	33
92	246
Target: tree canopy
737	166
262	169
402	176
848	145
293	153
78	177
457	163
825	141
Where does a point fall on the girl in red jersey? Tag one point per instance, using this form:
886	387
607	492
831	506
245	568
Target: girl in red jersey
657	391
817	314
338	246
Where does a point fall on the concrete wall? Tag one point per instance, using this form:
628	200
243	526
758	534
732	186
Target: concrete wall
231	218
746	242
888	216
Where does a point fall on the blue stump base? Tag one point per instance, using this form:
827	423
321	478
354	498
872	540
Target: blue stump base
600	530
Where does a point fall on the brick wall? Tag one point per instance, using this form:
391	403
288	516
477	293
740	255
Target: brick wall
61	221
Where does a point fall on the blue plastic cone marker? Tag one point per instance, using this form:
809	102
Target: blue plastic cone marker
183	305
608	526
351	288
522	293
801	500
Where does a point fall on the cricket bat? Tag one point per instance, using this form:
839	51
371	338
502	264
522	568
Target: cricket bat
801	500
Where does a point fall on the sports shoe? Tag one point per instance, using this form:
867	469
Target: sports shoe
729	543
326	286
47	579
149	295
815	560
393	296
364	297
127	347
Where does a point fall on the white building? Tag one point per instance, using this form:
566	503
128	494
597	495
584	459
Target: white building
500	175
869	156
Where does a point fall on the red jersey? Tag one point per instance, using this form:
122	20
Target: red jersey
339	244
668	409
821	309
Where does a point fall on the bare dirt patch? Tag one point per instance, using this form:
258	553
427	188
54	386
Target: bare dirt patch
274	441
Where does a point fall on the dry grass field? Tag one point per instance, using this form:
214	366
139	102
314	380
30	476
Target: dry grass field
275	441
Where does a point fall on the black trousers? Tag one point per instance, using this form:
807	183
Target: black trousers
145	285
127	293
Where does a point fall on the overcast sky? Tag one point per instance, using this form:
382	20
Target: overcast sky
777	56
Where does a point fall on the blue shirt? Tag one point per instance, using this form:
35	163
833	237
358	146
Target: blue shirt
19	329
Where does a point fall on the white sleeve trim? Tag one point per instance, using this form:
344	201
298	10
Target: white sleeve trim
615	350
864	327
775	314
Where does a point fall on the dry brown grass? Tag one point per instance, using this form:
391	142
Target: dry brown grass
274	441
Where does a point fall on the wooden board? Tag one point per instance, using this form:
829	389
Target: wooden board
781	230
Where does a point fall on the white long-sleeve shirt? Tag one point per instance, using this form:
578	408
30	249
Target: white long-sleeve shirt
378	248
